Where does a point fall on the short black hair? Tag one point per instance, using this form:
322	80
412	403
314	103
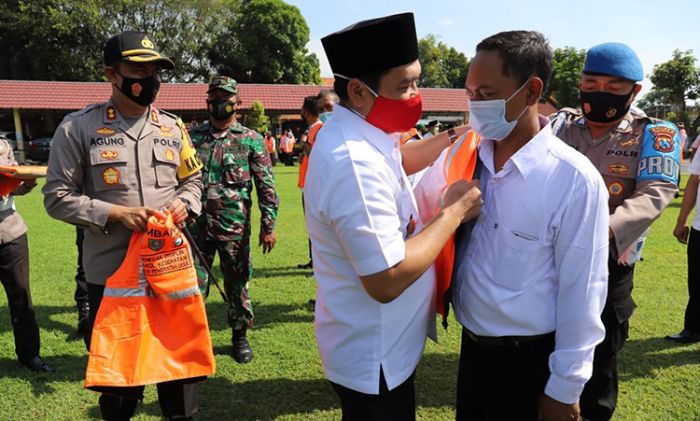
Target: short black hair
340	86
310	105
524	53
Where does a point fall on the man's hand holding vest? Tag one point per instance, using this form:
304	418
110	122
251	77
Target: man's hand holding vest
463	198
134	218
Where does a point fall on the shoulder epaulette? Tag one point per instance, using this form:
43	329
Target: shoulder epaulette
169	114
87	109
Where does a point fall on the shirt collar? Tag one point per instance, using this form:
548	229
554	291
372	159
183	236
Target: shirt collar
385	143
527	157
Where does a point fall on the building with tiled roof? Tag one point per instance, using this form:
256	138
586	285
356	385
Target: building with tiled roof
38	106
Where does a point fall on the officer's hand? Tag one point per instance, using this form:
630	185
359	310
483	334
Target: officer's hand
463	199
178	210
267	241
681	232
553	410
135	219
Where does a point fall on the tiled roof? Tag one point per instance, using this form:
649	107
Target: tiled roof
24	94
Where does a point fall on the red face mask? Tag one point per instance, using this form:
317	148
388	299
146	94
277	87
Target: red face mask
395	115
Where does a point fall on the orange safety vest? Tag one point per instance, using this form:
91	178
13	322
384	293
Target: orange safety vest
151	326
270	142
460	163
406	136
311	138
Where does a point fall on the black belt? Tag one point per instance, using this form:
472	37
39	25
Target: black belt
505	341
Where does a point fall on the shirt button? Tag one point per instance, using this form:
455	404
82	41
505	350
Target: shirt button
495	225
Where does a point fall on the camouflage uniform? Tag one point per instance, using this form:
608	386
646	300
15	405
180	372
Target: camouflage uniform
230	159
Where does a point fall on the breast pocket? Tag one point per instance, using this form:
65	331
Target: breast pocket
108	169
521	255
165	162
236	169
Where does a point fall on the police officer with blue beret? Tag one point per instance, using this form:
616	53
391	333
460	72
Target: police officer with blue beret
638	158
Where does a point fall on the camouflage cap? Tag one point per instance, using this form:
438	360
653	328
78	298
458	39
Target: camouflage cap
226	83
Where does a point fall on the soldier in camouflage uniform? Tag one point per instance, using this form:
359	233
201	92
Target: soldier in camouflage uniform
233	156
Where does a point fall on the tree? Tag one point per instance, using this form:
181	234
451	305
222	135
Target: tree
63	39
678	79
567	65
256	118
442	66
265	43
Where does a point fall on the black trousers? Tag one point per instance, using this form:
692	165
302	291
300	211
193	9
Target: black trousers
81	292
502	382
692	311
599	397
398	404
303	209
176	398
14	274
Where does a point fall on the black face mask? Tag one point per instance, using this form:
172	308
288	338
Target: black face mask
220	109
142	91
604	107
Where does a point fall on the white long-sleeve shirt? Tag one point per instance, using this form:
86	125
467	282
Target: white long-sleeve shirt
537	258
359	210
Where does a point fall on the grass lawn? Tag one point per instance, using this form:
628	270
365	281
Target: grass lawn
659	380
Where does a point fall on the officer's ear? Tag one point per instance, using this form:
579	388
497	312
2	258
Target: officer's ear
110	73
635	90
534	91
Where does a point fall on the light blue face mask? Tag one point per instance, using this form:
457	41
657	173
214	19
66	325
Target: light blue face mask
488	118
325	116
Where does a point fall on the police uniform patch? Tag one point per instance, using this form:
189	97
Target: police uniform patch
169	155
154	116
109	155
111	176
663	138
615	188
155	245
618	168
111	113
105	131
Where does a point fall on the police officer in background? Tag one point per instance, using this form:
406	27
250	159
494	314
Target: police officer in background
14	267
111	167
638	158
236	157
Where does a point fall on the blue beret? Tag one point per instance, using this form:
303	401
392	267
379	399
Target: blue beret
614	59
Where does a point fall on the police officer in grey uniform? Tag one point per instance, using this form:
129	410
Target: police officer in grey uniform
638	159
111	166
14	268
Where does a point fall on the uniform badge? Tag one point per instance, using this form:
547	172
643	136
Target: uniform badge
618	168
109	155
166	131
147	43
629	142
615	188
105	131
111	113
155	245
169	155
663	138
154	116
111	176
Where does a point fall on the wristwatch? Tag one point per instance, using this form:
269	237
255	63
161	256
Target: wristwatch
452	134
